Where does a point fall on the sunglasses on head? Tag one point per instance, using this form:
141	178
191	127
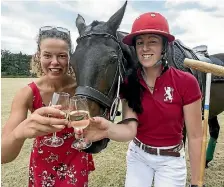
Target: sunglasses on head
61	29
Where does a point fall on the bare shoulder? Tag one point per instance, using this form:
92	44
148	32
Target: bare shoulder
24	97
21	103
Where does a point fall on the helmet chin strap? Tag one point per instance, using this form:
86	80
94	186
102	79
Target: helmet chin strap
162	60
159	62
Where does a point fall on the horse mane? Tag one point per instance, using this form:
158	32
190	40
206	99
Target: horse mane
128	51
122	32
94	23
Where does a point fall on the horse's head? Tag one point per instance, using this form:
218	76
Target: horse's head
98	62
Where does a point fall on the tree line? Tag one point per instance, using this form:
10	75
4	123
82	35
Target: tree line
15	64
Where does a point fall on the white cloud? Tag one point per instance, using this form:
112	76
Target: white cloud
101	10
204	3
129	17
20	25
198	26
97	9
94	11
16	27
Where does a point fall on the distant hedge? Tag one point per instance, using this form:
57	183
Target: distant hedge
15	64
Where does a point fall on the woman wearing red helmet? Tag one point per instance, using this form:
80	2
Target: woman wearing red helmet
158	99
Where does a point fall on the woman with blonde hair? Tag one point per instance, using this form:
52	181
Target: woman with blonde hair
49	166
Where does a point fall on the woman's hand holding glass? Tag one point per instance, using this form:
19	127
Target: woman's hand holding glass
97	130
62	99
39	124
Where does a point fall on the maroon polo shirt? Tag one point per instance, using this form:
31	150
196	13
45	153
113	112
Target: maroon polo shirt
161	122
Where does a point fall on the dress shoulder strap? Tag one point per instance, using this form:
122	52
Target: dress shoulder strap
37	99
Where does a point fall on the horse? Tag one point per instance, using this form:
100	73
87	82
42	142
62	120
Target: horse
101	61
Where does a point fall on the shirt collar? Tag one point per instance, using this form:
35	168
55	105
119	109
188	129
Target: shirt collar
141	80
164	69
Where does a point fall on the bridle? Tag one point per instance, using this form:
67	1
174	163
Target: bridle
109	101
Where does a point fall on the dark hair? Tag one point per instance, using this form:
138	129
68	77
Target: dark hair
131	89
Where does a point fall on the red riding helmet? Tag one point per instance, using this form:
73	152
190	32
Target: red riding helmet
150	22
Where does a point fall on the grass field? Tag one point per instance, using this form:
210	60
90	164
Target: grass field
110	164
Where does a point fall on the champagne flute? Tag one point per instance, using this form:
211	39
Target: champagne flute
58	98
79	114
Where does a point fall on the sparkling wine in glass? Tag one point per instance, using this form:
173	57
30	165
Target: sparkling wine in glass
79	119
58	98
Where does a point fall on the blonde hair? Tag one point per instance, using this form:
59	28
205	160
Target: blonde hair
35	65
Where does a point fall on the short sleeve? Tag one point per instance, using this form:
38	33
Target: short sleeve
190	89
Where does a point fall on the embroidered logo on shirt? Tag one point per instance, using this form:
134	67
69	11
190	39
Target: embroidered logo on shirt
168	94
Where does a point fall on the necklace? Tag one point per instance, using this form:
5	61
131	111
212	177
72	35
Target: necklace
144	78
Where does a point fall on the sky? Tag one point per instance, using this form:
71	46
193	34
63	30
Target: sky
194	22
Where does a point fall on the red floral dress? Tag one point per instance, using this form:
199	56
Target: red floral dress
61	166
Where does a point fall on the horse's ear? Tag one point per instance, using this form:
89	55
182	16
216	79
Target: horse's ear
115	20
80	23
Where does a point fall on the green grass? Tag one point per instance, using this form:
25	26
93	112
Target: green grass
110	163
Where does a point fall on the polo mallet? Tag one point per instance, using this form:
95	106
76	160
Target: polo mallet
204	67
208	69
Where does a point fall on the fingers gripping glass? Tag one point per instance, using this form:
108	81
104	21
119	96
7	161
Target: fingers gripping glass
79	119
61	29
58	98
